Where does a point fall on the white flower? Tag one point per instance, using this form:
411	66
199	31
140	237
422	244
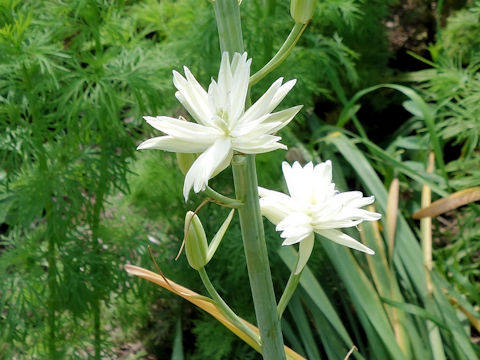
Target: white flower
222	124
314	206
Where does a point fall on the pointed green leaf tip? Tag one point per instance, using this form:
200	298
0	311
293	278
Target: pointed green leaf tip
219	236
199	253
302	10
195	241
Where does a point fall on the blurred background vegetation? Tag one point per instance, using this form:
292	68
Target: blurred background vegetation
77	202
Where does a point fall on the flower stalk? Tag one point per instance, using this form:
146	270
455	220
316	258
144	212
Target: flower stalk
245	179
222	199
281	54
227	13
289	291
224	308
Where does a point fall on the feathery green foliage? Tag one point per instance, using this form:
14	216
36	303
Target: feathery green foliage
76	78
70	86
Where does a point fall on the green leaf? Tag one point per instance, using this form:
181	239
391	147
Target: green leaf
416	104
316	293
219	236
177	348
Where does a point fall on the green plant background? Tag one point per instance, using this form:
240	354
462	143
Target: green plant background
77	202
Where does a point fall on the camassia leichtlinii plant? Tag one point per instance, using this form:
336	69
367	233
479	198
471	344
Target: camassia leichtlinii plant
224	131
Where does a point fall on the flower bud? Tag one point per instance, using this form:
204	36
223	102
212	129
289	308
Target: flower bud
196	246
302	10
184	161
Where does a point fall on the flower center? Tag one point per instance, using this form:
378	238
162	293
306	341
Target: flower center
221	119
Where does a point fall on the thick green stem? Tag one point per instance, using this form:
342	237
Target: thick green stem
96	330
225	309
51	232
227	13
52	286
51	259
95	225
246	188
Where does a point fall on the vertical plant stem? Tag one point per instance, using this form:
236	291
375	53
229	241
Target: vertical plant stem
96	329
227	13
97	334
51	231
288	292
95	224
246	188
52	288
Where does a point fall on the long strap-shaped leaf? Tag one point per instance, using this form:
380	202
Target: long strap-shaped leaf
408	259
416	105
203	303
316	293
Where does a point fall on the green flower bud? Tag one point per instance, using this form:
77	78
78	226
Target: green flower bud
302	10
184	161
196	246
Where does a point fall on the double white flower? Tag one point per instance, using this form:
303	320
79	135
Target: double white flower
222	124
314	206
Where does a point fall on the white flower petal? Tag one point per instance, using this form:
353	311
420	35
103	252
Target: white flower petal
299	180
343	239
252	131
261	106
304	251
215	159
241	76
269	101
294	224
281	93
314	206
182	129
192	96
258	145
283	117
325	189
217	102
168	143
295	239
222	124
266	193
275	206
225	78
273	211
335	224
249	128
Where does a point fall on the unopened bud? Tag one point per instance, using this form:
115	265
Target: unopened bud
302	10
196	246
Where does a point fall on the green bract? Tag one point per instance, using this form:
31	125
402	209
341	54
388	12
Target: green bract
302	10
